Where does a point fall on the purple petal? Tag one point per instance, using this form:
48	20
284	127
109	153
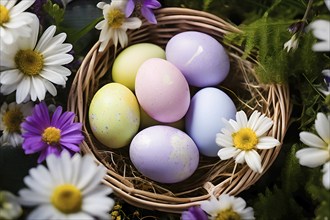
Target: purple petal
149	15
72	147
129	8
194	213
65	120
56	116
153	4
41	112
42	156
33	145
31	129
75	127
74	139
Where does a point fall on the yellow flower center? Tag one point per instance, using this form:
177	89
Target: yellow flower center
12	119
245	139
51	135
115	18
29	62
4	15
67	198
228	214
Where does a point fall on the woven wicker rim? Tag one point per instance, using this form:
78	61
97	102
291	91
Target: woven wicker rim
272	100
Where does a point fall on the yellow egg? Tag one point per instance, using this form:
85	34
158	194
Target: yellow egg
127	63
114	115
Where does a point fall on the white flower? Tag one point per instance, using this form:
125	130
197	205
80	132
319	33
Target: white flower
31	67
327	3
291	44
241	138
11	117
326	74
326	175
227	207
321	30
69	189
14	22
115	24
319	151
9	206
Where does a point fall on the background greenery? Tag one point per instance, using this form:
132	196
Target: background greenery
287	190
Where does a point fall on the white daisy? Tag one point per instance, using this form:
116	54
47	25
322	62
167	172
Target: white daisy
240	139
14	22
69	189
9	206
11	117
115	23
319	151
326	175
227	207
31	68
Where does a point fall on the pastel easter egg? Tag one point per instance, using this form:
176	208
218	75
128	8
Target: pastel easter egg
204	119
200	57
114	115
162	90
164	154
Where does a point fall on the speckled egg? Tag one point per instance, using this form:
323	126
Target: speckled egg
200	57
127	63
204	119
162	90
114	115
164	154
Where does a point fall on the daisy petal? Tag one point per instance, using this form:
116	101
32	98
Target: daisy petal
267	143
312	157
322	126
253	160
311	140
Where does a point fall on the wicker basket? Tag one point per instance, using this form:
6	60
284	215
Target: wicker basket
212	175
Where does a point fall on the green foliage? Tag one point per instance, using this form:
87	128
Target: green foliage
264	38
54	11
277	204
292	171
319	195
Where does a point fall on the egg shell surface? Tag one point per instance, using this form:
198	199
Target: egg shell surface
200	57
126	65
114	115
162	90
204	119
164	154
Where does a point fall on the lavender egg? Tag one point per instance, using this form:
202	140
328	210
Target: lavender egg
200	57
204	119
164	154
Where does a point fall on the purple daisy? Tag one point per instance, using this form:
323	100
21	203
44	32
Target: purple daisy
146	7
50	134
194	213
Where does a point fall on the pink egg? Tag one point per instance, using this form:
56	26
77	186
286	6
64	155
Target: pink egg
162	90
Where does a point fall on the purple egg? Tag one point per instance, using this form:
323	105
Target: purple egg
164	154
200	58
